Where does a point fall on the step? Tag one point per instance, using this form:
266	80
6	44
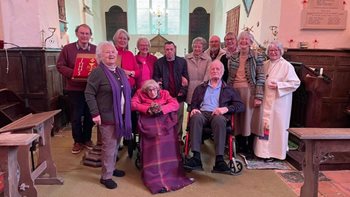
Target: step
8	105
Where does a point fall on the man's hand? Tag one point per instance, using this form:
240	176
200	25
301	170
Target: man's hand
97	120
184	82
257	102
194	111
220	111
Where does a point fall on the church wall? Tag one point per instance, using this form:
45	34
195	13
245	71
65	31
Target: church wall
289	28
23	28
286	15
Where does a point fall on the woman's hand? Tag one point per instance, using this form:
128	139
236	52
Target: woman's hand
97	120
129	73
272	85
156	108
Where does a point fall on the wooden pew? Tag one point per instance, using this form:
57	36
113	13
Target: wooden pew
9	145
45	172
319	143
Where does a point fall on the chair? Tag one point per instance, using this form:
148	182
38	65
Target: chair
235	164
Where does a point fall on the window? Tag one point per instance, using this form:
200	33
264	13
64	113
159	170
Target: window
158	16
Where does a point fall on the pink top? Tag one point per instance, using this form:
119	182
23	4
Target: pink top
145	67
129	63
141	102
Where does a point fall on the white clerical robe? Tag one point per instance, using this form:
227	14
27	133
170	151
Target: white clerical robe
277	104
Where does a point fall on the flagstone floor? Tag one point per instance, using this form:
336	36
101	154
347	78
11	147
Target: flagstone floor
81	180
331	183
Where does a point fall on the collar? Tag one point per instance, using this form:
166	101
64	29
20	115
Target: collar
201	56
79	47
218	86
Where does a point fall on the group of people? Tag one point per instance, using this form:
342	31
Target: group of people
128	92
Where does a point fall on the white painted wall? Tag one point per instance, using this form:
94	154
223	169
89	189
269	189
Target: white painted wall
23	21
21	27
74	17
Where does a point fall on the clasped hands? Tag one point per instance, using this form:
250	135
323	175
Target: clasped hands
217	111
154	109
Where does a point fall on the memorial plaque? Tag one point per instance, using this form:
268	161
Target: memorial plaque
325	4
324	14
323	19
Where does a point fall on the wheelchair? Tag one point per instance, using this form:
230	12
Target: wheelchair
235	164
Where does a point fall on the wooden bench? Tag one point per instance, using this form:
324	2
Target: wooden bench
9	145
45	172
319	142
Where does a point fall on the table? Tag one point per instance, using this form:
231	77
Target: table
9	144
319	142
45	173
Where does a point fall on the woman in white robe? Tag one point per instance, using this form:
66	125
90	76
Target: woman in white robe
281	82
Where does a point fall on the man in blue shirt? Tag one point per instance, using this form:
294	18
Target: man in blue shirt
213	103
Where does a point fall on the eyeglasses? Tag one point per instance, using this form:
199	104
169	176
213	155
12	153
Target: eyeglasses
152	90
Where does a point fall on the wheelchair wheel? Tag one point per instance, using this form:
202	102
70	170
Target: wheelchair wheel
236	166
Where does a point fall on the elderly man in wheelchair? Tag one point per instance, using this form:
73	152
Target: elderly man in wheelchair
213	103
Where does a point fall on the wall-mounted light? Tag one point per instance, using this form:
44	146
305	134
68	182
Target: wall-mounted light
87	9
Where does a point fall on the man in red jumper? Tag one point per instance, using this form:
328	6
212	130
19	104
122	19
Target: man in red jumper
81	128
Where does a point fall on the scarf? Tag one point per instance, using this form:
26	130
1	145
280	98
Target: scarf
122	129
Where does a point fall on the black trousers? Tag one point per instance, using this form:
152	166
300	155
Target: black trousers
80	116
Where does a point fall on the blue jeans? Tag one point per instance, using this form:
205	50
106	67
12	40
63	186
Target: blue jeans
81	128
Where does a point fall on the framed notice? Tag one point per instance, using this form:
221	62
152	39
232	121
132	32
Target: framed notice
84	64
248	5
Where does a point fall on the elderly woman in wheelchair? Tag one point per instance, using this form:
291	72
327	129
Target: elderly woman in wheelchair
213	103
162	169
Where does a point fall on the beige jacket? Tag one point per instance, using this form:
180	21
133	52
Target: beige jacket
198	72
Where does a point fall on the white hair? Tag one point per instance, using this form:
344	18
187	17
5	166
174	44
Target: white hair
100	47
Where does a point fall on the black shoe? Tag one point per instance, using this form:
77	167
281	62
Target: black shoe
108	183
269	160
221	166
193	164
163	190
118	173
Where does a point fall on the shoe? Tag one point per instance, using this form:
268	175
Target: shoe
108	183
76	148
89	145
193	164
118	173
269	160
163	190
221	166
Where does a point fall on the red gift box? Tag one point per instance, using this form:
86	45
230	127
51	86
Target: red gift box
84	64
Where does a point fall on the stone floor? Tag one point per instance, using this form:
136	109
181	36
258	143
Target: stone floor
81	180
331	183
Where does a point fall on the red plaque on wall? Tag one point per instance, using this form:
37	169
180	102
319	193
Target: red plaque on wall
84	64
